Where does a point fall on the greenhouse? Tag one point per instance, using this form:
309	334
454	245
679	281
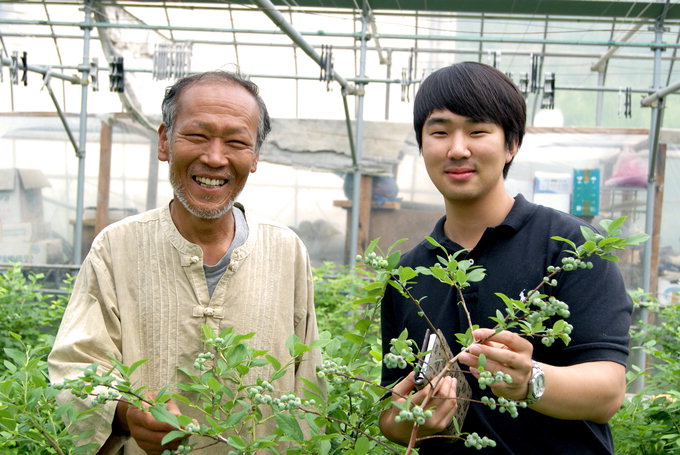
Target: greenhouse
342	171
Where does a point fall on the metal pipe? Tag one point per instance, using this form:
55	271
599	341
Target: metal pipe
267	11
391	48
44	70
78	234
272	13
356	194
602	61
62	117
600	97
659	94
639	357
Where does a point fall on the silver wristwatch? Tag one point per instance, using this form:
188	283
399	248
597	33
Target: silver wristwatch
536	384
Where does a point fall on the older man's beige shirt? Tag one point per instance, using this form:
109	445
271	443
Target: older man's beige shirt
141	294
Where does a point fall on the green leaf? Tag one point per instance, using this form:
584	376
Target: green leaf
237	354
562	239
587	233
171	436
637	239
235	418
482	360
461	277
291	342
442	275
136	365
362	446
236	442
434	242
612	227
290	426
161	413
371	246
356	339
208	332
393	259
406	273
213	384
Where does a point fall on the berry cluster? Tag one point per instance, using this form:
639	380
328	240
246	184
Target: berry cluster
474	440
287	402
415	414
487	378
182	449
552	334
260	394
333	371
104	396
217	342
572	263
373	260
503	404
394	361
551	308
203	361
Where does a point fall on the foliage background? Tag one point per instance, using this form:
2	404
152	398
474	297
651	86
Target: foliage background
31	422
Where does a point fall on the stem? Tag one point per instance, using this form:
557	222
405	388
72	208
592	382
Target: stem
467	312
430	395
53	443
410	296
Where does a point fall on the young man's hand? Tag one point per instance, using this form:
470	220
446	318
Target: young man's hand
443	405
506	352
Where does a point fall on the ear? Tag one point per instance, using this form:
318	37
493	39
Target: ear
253	165
511	152
163	151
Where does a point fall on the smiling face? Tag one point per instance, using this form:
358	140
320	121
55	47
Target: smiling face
211	149
465	158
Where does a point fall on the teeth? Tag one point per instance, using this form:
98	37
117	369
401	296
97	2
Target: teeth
209	182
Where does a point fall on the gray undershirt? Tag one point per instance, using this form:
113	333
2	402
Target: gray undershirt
213	273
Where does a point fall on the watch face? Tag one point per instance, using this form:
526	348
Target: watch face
539	384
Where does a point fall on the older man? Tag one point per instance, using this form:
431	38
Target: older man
151	281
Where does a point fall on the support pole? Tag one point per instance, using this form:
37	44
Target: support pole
638	356
85	69
356	193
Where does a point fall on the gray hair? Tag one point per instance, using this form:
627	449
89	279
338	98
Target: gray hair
169	105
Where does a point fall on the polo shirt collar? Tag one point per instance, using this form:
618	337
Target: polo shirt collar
519	214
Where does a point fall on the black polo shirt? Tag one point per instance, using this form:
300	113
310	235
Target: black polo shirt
516	254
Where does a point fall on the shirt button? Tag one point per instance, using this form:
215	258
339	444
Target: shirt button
194	259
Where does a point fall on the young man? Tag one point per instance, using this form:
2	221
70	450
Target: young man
469	121
150	282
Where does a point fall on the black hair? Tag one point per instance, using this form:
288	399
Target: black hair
474	90
169	105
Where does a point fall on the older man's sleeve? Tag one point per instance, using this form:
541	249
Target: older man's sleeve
89	332
306	327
